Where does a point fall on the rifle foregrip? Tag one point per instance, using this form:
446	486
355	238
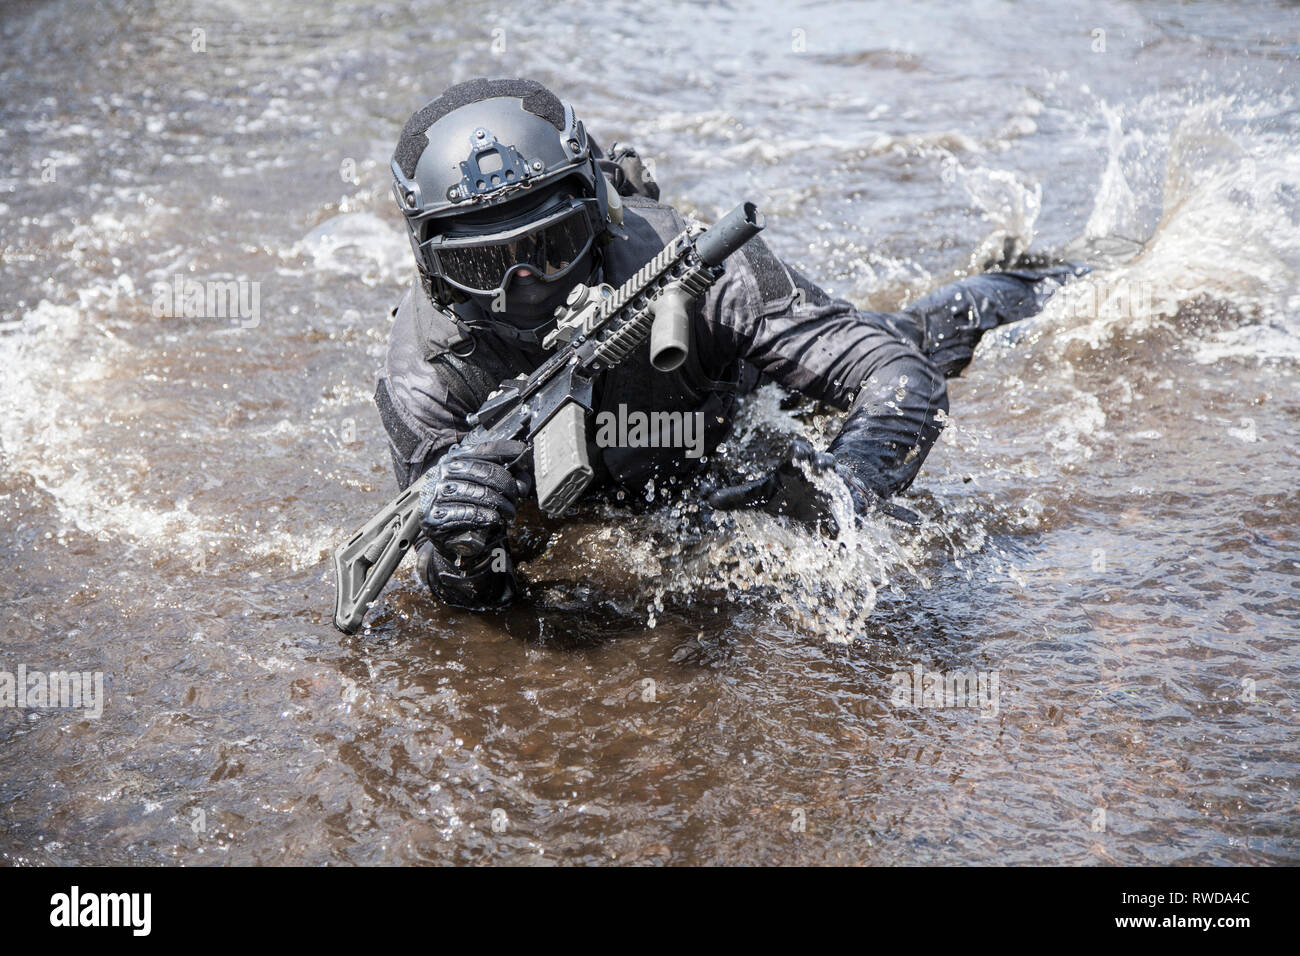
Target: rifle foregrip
670	336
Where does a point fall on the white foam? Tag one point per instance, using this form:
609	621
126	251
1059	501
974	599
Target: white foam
358	245
58	361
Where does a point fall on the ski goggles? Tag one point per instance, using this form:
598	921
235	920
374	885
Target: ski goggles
549	247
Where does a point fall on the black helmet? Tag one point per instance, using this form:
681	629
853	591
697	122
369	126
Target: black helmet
500	187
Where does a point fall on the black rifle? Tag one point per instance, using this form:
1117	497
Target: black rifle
597	329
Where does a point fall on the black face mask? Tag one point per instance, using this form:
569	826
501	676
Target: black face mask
517	266
527	302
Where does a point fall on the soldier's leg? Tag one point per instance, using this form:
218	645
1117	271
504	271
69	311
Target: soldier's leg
951	320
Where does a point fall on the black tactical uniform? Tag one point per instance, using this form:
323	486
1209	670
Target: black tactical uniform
762	320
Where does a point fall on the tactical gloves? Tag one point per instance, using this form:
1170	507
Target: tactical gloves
470	497
790	491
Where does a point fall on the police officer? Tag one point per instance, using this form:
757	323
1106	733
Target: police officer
509	203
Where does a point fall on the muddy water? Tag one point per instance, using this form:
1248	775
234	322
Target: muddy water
1111	516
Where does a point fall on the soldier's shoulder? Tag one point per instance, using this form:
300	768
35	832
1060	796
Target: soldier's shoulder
422	329
647	227
660	216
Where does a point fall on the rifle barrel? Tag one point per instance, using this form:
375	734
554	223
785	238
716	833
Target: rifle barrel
730	233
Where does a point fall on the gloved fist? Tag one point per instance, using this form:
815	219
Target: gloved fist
786	491
470	497
790	491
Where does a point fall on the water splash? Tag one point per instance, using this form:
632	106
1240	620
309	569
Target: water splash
1114	210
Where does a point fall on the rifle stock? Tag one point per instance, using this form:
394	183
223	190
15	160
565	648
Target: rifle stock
364	564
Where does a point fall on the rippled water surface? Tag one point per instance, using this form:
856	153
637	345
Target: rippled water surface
1110	518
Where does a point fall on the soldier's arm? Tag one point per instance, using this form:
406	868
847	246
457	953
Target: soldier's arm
870	364
423	402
